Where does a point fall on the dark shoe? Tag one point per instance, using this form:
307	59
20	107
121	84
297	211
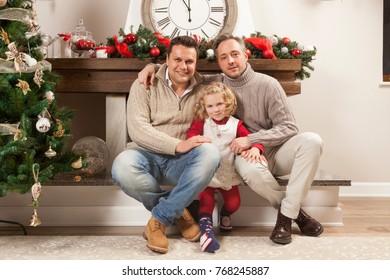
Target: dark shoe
225	224
282	231
308	225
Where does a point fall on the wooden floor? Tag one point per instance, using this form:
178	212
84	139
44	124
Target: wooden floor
361	217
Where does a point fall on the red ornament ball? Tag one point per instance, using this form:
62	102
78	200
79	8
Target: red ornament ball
157	35
155	52
286	41
130	39
248	53
296	52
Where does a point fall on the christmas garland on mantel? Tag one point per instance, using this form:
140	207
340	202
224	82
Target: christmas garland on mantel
144	44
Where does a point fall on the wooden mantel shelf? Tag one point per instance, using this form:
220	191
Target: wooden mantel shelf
115	75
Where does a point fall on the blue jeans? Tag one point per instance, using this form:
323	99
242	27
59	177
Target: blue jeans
139	173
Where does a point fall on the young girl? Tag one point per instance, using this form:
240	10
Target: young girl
213	118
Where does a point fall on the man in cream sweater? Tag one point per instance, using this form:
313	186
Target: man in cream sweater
158	119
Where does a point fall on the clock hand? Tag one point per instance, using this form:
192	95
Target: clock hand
188	8
189	11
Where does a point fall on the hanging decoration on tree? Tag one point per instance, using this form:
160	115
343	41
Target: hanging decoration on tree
36	190
3	3
50	153
24	86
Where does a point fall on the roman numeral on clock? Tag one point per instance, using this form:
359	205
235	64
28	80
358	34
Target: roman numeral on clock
217	9
165	21
175	32
214	22
161	10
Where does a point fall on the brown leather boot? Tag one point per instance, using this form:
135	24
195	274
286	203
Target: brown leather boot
282	231
154	233
188	227
308	225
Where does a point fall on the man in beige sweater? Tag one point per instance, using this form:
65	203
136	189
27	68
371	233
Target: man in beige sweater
158	119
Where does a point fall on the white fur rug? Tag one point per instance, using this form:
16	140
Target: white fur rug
232	248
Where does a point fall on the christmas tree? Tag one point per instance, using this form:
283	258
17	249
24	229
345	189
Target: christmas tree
33	127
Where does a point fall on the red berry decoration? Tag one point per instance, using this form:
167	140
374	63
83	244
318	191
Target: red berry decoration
154	52
130	39
248	53
296	52
286	41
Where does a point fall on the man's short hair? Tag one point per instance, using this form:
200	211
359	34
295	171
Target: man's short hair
223	37
185	41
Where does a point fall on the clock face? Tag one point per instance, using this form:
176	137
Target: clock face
205	18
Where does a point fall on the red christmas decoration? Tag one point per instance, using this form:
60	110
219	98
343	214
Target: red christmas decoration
198	39
262	44
122	48
154	52
286	41
248	52
157	35
130	39
296	52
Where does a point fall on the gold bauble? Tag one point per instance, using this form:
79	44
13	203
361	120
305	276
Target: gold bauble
77	164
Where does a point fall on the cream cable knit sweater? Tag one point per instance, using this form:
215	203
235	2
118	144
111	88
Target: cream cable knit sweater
263	107
156	119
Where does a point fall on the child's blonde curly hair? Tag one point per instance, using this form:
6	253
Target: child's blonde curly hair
214	88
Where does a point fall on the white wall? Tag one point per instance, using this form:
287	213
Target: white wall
342	100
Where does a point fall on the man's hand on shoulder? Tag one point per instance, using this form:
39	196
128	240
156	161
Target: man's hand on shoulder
147	75
193	142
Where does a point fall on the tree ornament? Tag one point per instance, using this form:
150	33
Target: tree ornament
154	52
24	86
49	95
38	77
77	164
130	39
157	35
43	124
50	153
308	48
284	50
210	54
36	190
286	41
296	52
3	3
35	220
273	39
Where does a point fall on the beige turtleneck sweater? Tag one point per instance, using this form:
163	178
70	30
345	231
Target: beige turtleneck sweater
263	107
156	119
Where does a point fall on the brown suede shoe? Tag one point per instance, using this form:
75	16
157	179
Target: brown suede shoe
308	225
154	233
282	231
188	227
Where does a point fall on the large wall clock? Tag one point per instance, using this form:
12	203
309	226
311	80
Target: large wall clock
205	18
